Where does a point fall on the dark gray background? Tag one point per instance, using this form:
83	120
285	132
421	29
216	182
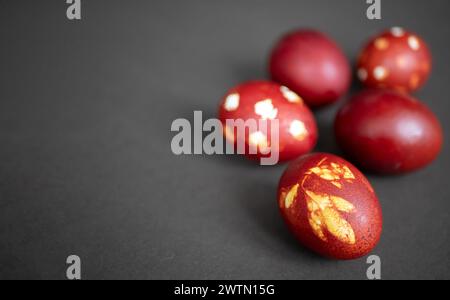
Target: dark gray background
85	161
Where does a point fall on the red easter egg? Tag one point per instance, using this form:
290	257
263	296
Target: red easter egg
312	65
330	206
395	59
388	132
268	101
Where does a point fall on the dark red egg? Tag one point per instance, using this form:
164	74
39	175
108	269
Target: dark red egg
330	206
312	65
395	59
388	132
268	101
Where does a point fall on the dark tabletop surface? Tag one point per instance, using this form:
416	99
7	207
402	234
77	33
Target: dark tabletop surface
86	166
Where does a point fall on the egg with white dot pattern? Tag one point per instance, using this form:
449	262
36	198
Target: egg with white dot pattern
268	101
395	59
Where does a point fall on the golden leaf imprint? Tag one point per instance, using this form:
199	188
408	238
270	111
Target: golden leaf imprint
324	214
288	198
332	172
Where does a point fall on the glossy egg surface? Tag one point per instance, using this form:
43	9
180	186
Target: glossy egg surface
387	132
312	65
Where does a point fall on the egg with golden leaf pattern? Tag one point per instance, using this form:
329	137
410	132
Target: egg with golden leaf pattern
330	206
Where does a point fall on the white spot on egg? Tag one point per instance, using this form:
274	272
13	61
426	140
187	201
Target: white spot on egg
298	130
380	73
258	139
414	43
229	134
290	95
232	102
397	32
266	110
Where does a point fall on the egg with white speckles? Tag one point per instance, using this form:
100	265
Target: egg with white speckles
395	59
267	101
